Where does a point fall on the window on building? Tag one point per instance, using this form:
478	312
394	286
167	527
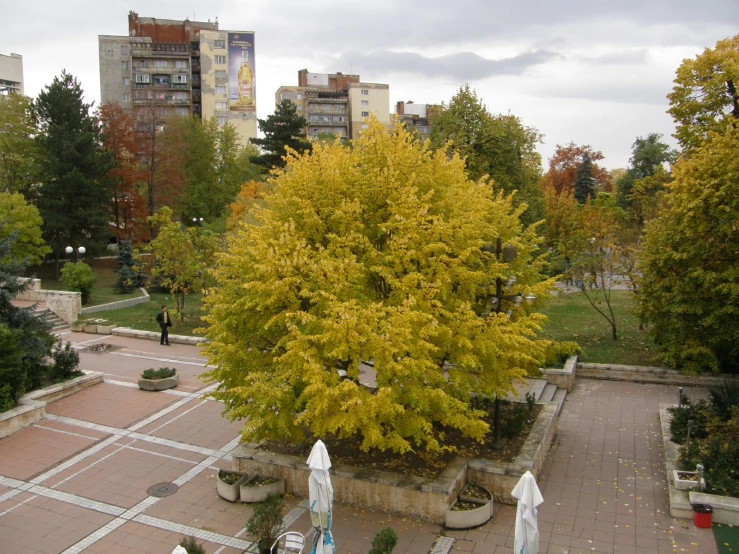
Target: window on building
141	64
300	96
124	66
161	80
221	105
220	59
179	79
124	50
142	78
365	114
221	120
219	44
221	89
365	92
364	126
220	74
126	97
180	64
365	103
159	64
182	111
126	81
315	129
300	107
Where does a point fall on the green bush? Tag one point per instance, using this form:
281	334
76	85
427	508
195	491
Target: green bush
192	545
126	277
384	541
515	421
724	396
7	402
698	412
78	277
266	521
161	373
65	362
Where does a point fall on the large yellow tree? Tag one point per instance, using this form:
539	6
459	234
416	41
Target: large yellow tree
374	254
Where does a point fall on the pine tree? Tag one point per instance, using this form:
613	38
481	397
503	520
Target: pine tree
74	194
584	182
126	276
283	128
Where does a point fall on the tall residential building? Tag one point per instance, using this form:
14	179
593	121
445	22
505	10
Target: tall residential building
415	116
336	103
11	73
185	67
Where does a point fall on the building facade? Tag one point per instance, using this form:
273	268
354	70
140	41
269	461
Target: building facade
11	74
333	103
415	116
183	67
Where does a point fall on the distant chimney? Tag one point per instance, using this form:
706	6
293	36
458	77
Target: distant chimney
303	78
400	107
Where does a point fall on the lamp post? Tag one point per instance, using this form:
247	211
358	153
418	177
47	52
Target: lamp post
80	249
195	220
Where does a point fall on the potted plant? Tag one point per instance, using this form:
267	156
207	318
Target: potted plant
90	326
687	480
228	483
473	507
78	326
257	488
265	523
159	379
103	328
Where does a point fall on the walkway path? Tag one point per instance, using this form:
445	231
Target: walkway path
77	481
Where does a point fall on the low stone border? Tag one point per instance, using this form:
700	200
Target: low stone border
500	478
410	495
32	406
646	374
118	305
154	335
563	378
725	508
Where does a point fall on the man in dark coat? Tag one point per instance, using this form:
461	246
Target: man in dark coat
164	322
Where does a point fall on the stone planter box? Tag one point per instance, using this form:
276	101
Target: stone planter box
466	519
687	484
258	493
159	384
226	491
89	328
78	327
105	329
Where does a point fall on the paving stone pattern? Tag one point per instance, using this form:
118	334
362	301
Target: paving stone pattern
77	481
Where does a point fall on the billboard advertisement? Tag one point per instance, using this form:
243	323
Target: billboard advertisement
241	79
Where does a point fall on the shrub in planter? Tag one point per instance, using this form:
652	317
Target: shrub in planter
384	541
161	373
697	411
192	545
265	523
78	277
724	396
65	362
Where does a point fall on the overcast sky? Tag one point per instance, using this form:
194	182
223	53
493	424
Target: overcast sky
594	72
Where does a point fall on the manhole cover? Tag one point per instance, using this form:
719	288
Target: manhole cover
160	490
102	347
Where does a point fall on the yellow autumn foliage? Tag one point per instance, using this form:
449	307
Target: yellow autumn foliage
371	254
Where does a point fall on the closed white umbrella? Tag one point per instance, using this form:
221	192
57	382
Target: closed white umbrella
526	540
320	498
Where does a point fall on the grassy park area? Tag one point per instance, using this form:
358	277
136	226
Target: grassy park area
571	317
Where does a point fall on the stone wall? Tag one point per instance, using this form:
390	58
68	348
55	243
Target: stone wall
65	304
409	495
119	305
563	378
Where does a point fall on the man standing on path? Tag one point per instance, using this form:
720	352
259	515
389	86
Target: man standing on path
164	322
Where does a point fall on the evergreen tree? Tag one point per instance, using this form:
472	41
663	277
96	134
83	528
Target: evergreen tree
126	279
584	182
283	128
74	194
25	340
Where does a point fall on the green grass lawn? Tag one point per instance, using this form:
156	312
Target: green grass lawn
143	316
571	317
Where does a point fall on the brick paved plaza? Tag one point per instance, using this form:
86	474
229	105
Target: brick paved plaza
77	481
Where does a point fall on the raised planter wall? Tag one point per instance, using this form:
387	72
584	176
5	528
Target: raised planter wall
249	493
119	305
159	384
379	490
32	406
647	374
500	478
155	335
563	378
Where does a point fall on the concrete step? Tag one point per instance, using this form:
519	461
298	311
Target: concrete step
537	388
548	393
559	398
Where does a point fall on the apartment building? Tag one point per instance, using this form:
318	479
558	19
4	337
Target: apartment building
335	102
415	116
11	74
182	67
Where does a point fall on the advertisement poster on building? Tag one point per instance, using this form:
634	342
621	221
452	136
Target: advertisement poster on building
241	78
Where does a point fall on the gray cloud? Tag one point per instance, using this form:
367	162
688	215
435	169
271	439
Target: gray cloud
458	67
619	57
